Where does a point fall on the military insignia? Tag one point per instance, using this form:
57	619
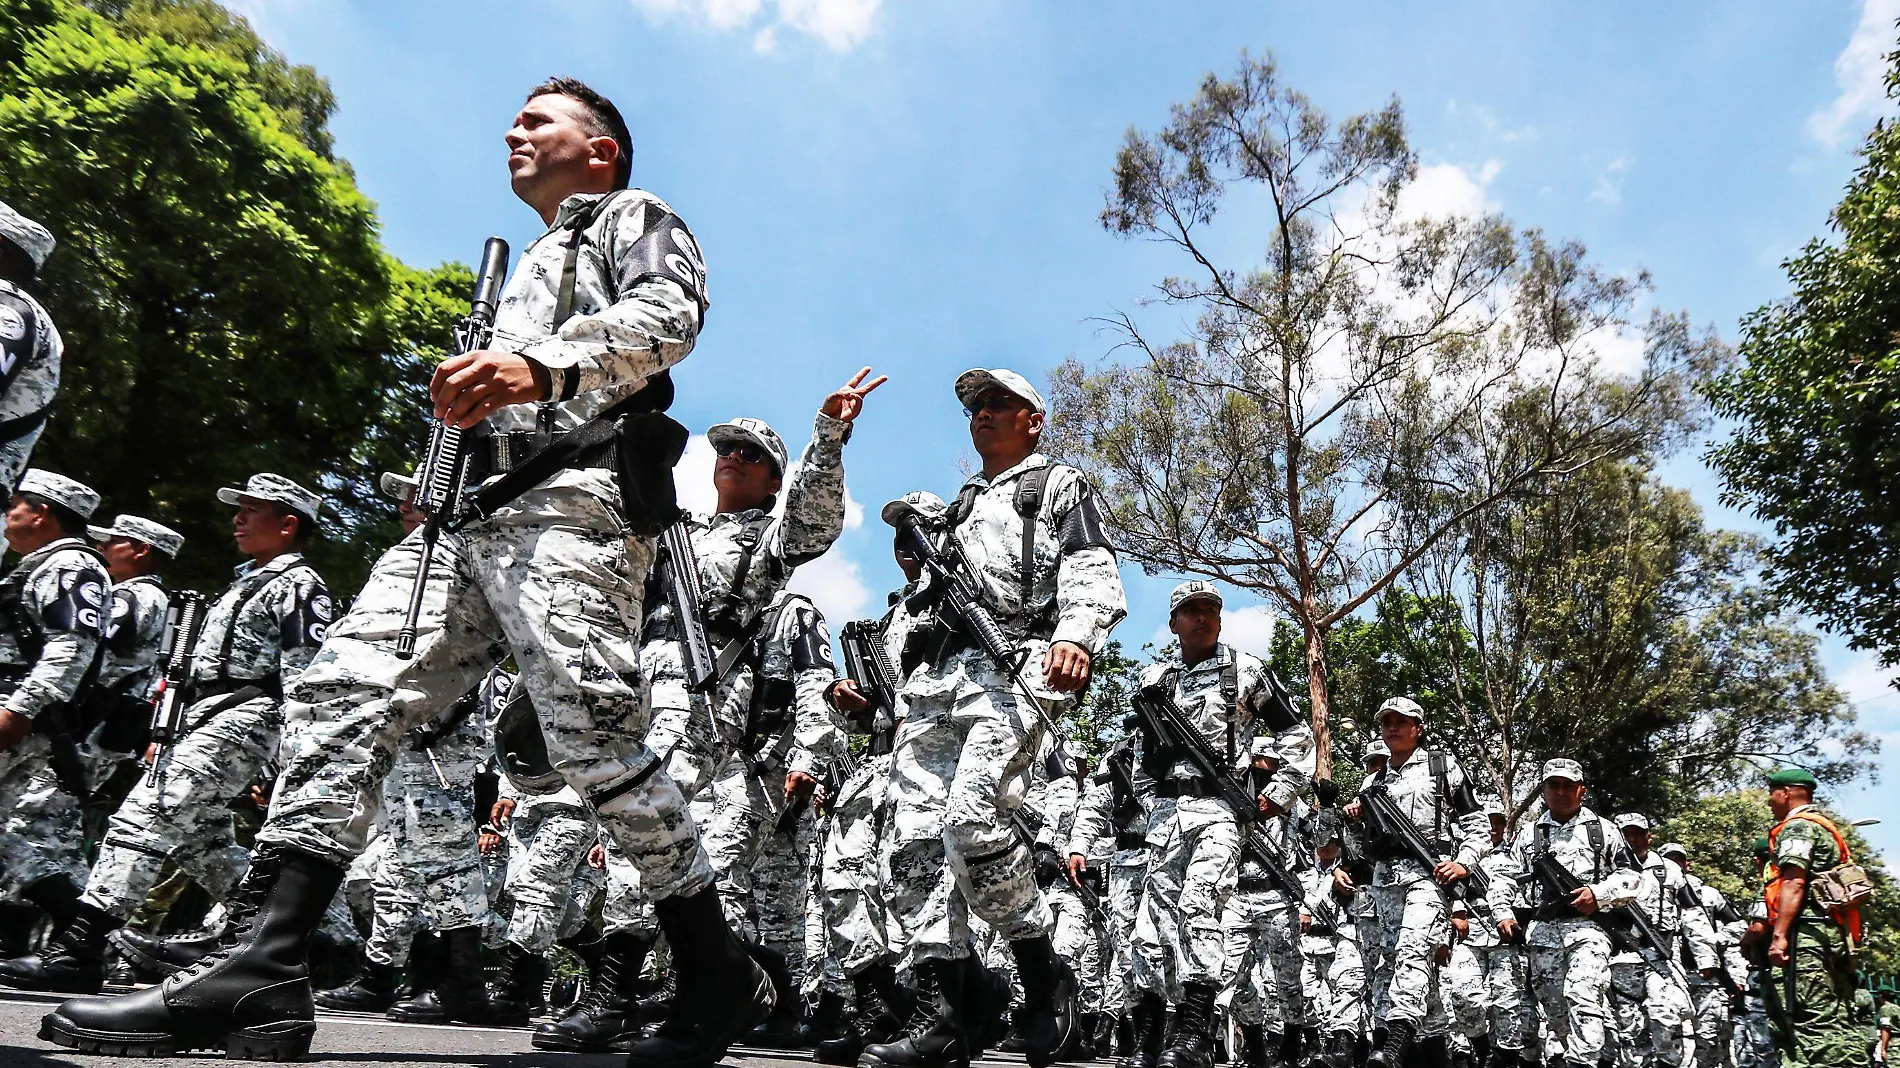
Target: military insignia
12	324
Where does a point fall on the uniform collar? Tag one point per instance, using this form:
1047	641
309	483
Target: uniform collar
1217	660
1030	462
278	563
575	204
1583	815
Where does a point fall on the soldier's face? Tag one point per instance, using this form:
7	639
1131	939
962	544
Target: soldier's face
908	563
743	483
1637	839
1197	624
1003	423
1400	732
1564	797
22	518
549	147
259	530
1497	829
124	557
409	516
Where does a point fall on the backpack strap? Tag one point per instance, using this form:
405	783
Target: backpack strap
731	607
1439	764
1030	490
1230	694
1595	830
576	232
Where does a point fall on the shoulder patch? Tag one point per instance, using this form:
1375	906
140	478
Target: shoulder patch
19	328
812	647
665	249
80	606
308	622
1082	525
122	626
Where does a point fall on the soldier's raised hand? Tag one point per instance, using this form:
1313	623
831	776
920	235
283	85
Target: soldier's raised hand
847	400
13	727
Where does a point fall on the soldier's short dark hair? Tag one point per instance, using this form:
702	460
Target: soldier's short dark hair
15	264
306	527
606	119
70	522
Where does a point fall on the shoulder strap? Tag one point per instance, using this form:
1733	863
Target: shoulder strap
1028	501
1840	842
731	607
1595	829
1440	767
577	231
260	579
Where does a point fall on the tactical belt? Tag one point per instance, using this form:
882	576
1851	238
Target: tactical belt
1187	786
1130	840
502	452
1254	884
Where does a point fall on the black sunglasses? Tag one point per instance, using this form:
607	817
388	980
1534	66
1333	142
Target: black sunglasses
745	450
994	401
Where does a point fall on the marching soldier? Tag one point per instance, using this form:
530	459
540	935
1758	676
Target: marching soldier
1509	1018
30	346
1260	929
259	633
52	621
1336	981
1651	1004
597	311
136	551
1030	534
1107	850
1711	987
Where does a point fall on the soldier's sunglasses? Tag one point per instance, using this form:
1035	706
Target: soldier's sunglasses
745	450
994	401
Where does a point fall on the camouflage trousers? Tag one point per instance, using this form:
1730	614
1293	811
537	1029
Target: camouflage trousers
1412	923
851	874
1570	975
1127	874
1506	1011
778	890
1650	1011
184	816
1753	1043
745	806
1823	1029
396	907
1076	936
1260	940
1193	866
959	768
41	833
1714	1022
549	884
434	849
554	581
1333	983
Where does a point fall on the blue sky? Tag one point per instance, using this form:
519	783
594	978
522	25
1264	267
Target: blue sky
915	185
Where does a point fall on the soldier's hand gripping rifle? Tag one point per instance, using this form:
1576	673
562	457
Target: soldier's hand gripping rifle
1395	830
1563	884
867	664
679	576
178	652
440	478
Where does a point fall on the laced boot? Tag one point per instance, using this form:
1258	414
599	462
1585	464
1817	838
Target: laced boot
428	959
122	976
1146	1037
844	1047
606	1018
461	989
984	1012
373	990
167	956
933	1035
825	1021
1340	1049
74	960
722	994
1125	1035
1048	1019
586	948
1398	1040
251	998
1193	1043
1253	1045
780	1028
1082	1047
519	988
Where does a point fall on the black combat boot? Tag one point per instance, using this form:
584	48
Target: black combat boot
606	1018
1398	1040
1048	1019
780	1030
1082	1047
18	920
373	990
1253	1045
1193	1044
122	976
461	989
518	991
250	999
74	960
825	1022
1342	1049
869	1023
1125	1036
933	1035
416	1001
167	956
722	995
1146	1036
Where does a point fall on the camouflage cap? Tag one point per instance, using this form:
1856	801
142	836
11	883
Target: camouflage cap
34	240
923	504
1375	748
68	492
1793	777
745	431
1193	590
278	490
1674	850
1632	819
138	528
1563	768
398	487
1494	807
977	381
1404	706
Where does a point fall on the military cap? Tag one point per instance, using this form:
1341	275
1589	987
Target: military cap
923	504
1563	768
1404	706
59	489
398	487
1375	748
34	240
138	528
1760	845
278	490
1793	777
751	432
1632	819
1494	807
1194	590
1674	850
977	381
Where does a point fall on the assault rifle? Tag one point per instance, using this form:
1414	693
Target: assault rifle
442	475
866	663
679	574
1629	937
178	653
1393	829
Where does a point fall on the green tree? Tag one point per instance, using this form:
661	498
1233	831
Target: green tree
1316	431
1095	723
226	303
1816	411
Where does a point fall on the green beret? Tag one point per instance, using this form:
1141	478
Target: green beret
1793	777
1761	844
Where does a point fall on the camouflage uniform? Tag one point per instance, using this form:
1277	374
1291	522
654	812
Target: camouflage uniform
53	599
852	874
1651	1006
1333	979
1570	953
1261	938
1075	927
1824	1030
1714	1025
1503	1004
261	631
30	351
961	755
549	884
1118	845
433	848
780	887
551	577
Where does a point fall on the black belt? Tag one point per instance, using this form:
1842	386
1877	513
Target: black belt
1194	786
503	451
1130	840
1255	884
205	689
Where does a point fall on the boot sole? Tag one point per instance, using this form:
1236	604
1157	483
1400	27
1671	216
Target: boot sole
868	1061
563	1044
288	1041
764	999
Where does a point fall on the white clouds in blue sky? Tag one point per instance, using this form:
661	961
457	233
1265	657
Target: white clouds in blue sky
1860	73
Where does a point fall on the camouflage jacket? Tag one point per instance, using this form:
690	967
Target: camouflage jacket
1228	722
133	635
1434	808
1054	804
1286	833
267	626
30	351
1598	859
780	693
62	590
1095	833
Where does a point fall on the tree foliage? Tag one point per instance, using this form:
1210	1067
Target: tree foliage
225	301
1816	411
1318	428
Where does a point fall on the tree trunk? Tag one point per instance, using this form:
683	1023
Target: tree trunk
1318	696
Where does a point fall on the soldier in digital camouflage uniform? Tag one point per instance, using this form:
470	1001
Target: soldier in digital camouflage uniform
52	619
259	633
1811	1011
1194	838
136	551
1260	936
1494	1002
1650	999
1413	921
1110	835
1042	567
1074	903
1569	949
1333	973
597	310
30	346
1709	986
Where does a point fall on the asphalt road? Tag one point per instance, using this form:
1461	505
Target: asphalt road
354	1039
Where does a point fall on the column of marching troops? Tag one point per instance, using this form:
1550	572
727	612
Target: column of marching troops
902	868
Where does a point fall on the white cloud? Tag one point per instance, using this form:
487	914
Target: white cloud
1860	72
835	584
1609	185
840	24
1443	190
1866	683
1620	351
1248	629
